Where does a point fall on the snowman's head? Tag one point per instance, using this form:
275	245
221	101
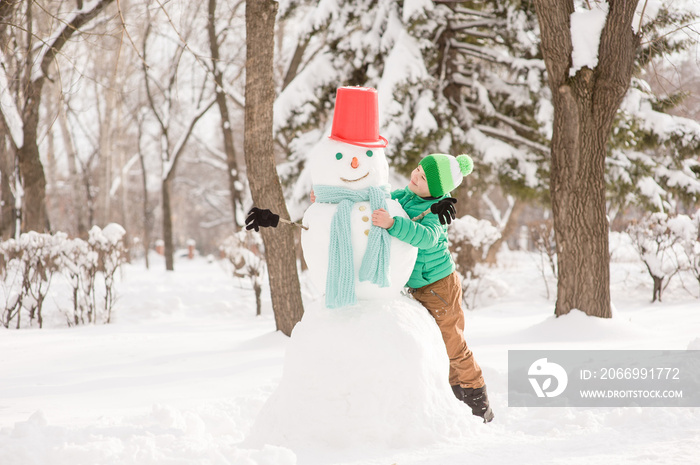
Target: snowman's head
340	164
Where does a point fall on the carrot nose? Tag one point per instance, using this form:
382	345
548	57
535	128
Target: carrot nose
355	163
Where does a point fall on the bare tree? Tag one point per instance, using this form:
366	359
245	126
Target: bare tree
584	107
31	168
262	172
171	149
221	101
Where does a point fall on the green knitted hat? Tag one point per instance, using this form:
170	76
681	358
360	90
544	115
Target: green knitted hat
445	172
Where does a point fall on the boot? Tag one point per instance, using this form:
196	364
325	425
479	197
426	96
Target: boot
476	399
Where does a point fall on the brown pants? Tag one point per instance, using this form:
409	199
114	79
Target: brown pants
443	299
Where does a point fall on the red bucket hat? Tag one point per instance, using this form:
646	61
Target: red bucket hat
356	117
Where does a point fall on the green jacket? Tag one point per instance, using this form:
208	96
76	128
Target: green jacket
434	260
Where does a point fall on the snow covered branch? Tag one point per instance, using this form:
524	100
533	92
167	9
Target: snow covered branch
504	136
77	20
504	119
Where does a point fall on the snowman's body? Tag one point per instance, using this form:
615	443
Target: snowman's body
338	164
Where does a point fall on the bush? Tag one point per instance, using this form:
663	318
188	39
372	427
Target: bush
470	240
243	251
108	244
28	266
79	265
666	245
544	239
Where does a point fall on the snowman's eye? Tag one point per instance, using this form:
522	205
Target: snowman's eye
369	153
338	156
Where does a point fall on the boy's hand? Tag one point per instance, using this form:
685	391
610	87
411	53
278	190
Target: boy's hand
312	196
382	218
445	209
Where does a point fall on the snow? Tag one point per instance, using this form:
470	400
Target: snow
183	372
424	122
415	7
545	117
638	104
646	12
586	27
479	233
403	64
496	153
650	189
294	99
111	234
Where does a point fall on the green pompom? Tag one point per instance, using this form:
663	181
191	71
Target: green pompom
466	164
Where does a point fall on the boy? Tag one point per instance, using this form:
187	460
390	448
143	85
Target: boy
434	281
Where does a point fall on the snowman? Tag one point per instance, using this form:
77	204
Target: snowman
347	256
376	373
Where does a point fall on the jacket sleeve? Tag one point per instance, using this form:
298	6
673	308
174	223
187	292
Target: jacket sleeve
422	234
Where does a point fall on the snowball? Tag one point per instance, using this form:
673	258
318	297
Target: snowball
330	164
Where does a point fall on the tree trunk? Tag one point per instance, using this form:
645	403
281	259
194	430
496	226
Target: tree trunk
77	199
258	301
106	161
226	130
7	155
146	215
657	288
507	231
584	108
31	169
262	172
167	227
7	199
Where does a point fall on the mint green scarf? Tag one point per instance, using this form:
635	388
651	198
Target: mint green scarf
340	281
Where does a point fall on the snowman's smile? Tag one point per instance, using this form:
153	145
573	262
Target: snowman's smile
353	180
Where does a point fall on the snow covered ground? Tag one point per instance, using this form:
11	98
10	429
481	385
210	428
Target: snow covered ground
182	373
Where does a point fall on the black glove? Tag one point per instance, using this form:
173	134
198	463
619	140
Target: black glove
258	218
445	209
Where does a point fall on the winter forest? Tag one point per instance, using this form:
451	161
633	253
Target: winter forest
135	136
133	113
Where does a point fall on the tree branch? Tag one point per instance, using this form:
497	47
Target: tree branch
293	68
556	44
616	55
504	136
517	126
78	21
180	145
